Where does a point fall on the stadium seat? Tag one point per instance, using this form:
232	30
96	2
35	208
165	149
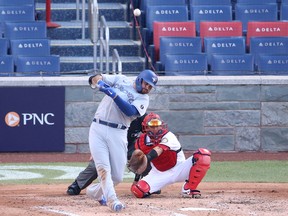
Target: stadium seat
210	2
224	45
30	47
25	30
145	3
3	46
17	13
284	12
266	29
6	65
260	12
38	65
220	29
256	2
16	2
202	13
268	45
172	29
192	64
273	64
232	64
178	45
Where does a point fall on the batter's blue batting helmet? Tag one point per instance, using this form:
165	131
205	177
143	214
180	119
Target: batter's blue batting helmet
148	76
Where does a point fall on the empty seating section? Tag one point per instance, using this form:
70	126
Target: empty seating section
202	13
255	2
210	2
178	45
25	47
273	64
260	12
284	12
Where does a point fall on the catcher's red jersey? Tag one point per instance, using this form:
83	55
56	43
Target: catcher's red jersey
171	147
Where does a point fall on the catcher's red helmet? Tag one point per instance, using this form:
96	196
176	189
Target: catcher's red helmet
154	127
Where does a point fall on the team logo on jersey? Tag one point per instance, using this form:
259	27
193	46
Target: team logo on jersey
164	140
12	119
142	106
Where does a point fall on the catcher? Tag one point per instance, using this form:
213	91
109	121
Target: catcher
161	149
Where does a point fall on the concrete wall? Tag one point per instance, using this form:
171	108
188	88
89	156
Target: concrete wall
219	113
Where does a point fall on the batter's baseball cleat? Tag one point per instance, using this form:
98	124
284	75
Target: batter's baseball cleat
117	206
102	201
74	189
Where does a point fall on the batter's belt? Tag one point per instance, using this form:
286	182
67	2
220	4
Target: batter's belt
109	124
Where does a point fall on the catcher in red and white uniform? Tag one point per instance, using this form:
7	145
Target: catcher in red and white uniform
168	163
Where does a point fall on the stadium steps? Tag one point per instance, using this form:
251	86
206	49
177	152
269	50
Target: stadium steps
76	54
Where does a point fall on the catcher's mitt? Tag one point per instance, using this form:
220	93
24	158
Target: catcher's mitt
138	162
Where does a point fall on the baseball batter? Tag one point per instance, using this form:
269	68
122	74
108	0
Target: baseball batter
168	162
123	102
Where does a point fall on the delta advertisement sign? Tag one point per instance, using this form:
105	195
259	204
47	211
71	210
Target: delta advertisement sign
32	119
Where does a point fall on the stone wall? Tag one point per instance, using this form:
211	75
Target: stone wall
223	114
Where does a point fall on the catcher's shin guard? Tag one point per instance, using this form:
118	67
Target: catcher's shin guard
140	189
201	164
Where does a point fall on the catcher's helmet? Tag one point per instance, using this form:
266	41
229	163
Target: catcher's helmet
154	127
148	76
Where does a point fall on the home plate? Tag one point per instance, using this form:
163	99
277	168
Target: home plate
198	209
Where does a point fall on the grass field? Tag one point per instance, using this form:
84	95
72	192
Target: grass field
247	171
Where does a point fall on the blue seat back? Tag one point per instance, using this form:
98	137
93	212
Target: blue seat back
50	65
179	45
256	2
273	64
17	13
6	65
165	13
16	2
200	13
284	12
224	45
194	64
3	46
242	64
23	30
30	47
210	2
268	45
145	3
261	12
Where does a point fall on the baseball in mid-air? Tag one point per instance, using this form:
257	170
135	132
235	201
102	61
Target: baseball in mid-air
137	12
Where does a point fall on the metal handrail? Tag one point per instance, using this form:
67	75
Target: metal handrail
116	58
104	43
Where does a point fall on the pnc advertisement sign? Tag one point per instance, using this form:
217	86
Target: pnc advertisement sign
32	119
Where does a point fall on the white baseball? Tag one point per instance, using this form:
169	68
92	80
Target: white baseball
137	12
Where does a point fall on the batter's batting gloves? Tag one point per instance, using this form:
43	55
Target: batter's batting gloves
102	84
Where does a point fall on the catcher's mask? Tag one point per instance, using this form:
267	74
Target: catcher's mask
148	76
154	127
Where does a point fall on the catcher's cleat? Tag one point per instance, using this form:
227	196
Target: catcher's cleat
189	193
117	206
74	189
157	192
102	201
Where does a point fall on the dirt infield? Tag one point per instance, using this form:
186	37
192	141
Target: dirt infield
217	198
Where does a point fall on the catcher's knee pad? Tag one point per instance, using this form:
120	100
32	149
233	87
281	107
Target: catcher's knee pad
141	189
201	164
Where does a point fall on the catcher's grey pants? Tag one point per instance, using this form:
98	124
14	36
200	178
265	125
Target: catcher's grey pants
87	176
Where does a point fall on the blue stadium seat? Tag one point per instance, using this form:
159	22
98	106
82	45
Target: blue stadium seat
256	2
145	3
273	64
16	2
261	12
38	65
178	45
30	47
17	13
192	64
268	45
3	46
224	45
232	64
284	11
202	13
210	2
25	30
6	65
